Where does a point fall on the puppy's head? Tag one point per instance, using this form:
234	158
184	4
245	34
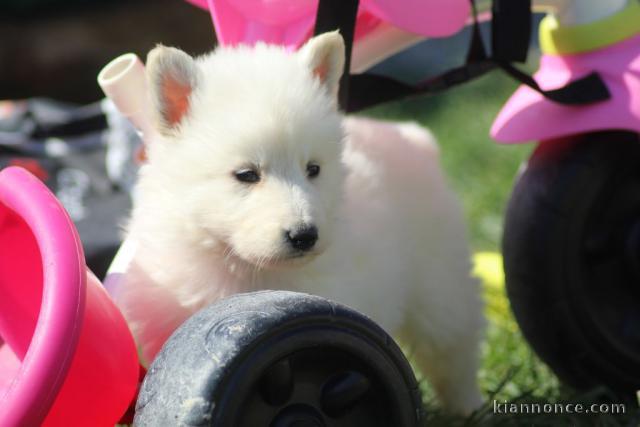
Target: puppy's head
249	150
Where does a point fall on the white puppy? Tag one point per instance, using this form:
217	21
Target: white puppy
258	182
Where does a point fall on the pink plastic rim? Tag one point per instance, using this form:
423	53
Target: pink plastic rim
47	361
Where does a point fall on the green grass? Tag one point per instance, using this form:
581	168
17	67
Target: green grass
482	173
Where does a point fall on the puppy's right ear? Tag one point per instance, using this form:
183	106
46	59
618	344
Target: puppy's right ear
173	76
324	55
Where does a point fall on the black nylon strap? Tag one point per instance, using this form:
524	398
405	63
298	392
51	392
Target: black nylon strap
585	90
339	15
476	50
510	38
511	29
368	90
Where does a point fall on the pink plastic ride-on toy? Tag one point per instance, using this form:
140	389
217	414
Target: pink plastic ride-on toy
572	233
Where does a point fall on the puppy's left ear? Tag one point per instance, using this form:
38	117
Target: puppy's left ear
173	77
324	55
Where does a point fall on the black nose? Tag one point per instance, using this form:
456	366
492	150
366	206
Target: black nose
303	238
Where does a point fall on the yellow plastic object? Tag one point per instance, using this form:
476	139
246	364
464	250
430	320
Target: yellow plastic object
487	266
565	40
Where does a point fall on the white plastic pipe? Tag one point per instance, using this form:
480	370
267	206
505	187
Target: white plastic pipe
124	81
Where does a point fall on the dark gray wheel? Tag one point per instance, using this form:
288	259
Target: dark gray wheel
572	255
279	359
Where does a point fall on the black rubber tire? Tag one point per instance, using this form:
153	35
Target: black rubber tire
277	358
571	253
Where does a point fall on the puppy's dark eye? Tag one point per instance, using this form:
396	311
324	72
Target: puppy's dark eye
249	176
313	170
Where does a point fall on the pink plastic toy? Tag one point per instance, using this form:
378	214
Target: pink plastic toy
383	27
290	23
66	355
571	240
619	66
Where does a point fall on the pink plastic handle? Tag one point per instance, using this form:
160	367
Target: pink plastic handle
47	355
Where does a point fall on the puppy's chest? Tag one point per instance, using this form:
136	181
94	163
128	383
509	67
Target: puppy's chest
362	281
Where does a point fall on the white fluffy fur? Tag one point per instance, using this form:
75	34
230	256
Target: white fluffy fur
391	237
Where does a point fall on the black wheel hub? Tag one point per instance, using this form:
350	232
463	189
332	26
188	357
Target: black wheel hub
320	387
298	415
572	258
609	272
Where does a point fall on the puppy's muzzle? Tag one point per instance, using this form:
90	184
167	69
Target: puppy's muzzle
303	238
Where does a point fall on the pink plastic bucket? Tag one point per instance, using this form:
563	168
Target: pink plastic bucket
66	355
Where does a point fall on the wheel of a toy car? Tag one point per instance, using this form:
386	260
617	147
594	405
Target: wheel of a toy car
572	258
277	358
